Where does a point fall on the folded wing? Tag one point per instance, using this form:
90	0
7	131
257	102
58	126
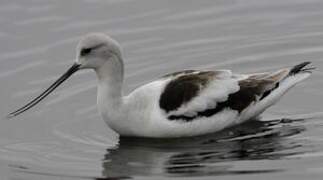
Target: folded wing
190	95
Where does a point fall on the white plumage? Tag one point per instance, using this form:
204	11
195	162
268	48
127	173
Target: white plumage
142	115
187	103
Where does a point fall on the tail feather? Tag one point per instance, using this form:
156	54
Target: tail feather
301	68
281	82
288	77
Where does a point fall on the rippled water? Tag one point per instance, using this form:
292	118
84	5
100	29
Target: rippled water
65	138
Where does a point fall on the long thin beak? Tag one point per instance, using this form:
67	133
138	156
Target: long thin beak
51	88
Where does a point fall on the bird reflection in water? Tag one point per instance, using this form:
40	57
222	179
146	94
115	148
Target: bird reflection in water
208	155
204	155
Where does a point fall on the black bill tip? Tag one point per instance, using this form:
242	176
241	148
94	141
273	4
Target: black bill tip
50	89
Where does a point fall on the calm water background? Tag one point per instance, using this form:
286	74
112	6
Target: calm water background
65	138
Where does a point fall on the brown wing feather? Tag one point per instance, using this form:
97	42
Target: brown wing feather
260	85
184	88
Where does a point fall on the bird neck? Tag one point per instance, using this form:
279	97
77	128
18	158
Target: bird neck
110	77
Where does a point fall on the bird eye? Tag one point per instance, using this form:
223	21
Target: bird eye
85	51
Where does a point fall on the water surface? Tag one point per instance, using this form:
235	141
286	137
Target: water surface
65	138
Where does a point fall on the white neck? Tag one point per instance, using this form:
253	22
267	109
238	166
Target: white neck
110	77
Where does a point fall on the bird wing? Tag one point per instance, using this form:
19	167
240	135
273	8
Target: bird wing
191	94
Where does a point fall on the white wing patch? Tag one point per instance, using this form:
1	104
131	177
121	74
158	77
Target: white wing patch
218	89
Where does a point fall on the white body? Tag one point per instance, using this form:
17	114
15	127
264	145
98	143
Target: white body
139	114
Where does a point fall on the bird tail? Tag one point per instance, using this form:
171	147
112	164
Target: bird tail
302	67
302	71
276	84
287	78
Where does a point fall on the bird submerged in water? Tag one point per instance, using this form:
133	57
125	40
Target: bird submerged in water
180	104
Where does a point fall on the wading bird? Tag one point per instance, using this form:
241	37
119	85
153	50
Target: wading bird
186	103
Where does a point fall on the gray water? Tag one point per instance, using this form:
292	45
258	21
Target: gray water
65	138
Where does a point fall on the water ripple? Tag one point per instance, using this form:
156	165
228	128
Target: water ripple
71	141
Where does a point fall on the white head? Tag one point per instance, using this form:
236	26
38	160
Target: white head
95	51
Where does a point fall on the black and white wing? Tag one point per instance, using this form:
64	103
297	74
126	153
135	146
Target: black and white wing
190	95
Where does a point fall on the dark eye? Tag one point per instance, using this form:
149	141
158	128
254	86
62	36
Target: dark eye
85	51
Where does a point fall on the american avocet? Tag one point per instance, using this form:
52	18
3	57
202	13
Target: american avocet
186	103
